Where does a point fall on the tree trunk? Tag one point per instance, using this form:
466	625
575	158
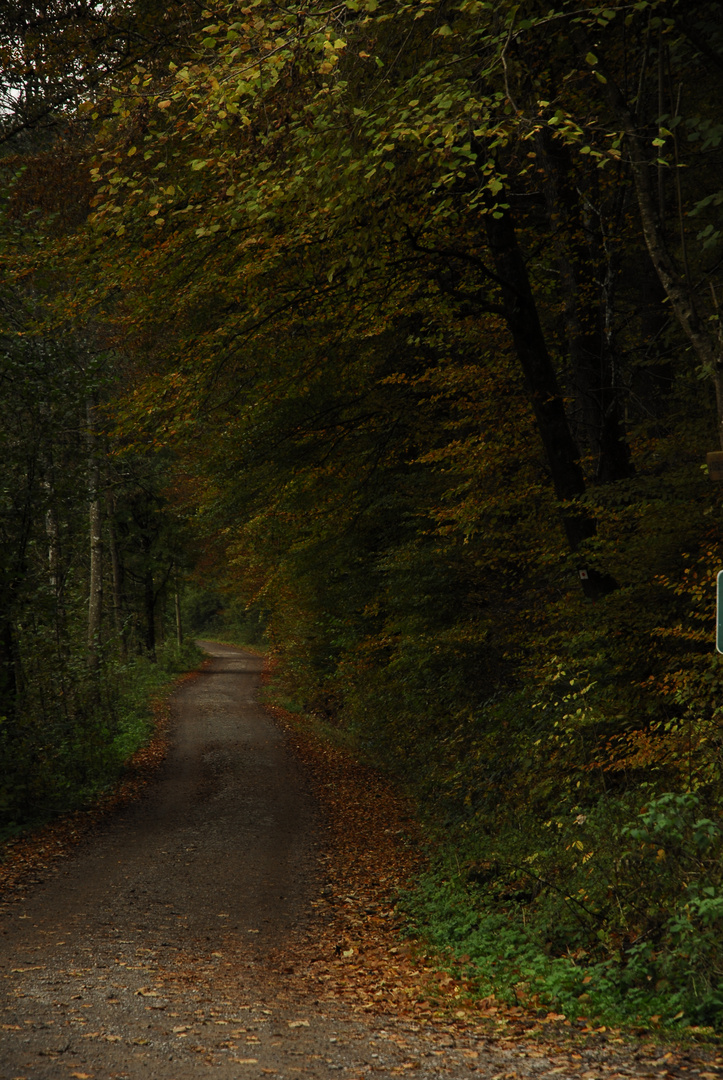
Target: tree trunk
177	606
95	597
117	571
708	346
562	453
51	534
8	676
150	606
588	280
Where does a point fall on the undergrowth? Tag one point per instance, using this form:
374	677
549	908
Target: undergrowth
499	954
61	756
520	943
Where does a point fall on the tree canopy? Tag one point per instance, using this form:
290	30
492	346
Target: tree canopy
409	315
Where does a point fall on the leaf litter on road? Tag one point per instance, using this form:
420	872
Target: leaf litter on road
350	961
355	954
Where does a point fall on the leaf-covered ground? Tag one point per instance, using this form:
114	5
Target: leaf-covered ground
343	991
375	848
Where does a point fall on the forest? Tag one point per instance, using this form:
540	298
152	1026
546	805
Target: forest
386	335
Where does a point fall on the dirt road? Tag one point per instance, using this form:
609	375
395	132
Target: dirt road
158	949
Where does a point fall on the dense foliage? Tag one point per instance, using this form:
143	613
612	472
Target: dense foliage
420	304
90	558
87	562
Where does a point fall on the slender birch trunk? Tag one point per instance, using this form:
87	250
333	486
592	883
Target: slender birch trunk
177	606
117	571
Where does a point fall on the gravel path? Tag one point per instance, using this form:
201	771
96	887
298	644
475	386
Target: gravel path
157	950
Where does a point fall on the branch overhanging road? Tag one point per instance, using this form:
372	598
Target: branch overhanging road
158	949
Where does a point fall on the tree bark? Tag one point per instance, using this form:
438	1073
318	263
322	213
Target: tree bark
95	597
149	597
117	571
588	276
52	537
707	346
561	450
8	676
177	607
150	606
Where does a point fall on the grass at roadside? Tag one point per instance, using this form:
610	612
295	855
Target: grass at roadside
498	954
140	683
65	760
28	855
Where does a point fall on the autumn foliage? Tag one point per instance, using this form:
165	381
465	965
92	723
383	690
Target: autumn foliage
419	306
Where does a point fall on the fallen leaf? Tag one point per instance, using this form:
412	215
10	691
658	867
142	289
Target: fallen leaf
82	1076
298	1023
246	1061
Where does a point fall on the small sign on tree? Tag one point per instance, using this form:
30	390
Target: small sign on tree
715	465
